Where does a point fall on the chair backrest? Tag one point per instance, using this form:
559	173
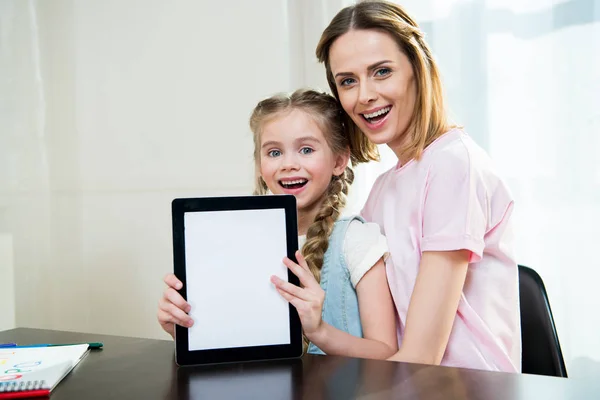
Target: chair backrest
541	352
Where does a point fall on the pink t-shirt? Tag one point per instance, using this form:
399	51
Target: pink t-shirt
452	199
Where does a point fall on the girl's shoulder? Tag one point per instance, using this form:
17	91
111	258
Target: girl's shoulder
363	245
354	228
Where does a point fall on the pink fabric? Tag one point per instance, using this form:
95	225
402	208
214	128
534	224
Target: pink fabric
452	199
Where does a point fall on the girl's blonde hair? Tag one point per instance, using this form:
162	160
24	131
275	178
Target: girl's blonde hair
324	110
429	119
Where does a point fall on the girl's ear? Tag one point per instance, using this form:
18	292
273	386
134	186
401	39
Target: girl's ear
341	162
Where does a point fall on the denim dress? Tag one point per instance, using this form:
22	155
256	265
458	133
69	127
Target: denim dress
340	308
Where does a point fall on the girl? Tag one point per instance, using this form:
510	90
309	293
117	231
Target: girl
444	210
300	148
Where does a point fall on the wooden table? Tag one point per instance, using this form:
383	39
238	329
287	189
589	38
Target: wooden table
132	368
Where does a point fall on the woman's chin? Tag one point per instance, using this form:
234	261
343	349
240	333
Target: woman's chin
377	138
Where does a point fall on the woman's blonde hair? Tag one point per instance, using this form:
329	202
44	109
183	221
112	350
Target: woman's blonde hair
326	113
429	119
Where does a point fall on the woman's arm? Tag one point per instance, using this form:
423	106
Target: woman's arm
375	306
433	306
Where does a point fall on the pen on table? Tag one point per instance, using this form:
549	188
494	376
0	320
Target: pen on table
92	345
25	394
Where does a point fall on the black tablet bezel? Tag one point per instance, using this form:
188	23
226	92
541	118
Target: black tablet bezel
239	354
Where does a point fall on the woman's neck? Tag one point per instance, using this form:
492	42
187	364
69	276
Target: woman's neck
399	146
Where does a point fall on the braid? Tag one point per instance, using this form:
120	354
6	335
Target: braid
317	236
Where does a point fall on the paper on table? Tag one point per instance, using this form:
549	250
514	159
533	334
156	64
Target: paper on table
50	364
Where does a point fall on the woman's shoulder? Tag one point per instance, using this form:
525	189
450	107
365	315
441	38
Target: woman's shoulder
456	151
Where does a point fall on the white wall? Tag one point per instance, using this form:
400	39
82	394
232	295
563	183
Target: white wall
7	283
109	110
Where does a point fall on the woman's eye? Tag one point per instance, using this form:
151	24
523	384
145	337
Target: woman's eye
383	72
306	150
274	153
346	82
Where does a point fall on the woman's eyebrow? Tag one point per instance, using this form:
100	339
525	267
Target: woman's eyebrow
369	68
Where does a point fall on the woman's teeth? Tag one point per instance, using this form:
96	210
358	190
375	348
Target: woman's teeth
378	113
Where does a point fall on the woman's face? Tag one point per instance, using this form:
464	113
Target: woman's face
375	84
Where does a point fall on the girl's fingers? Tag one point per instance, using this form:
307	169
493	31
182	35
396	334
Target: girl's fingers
296	302
172	281
302	261
174	297
306	277
174	314
167	326
295	268
290	288
166	317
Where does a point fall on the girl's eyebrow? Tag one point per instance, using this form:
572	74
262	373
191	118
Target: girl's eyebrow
299	140
270	143
307	139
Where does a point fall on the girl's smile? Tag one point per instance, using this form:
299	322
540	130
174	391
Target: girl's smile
296	159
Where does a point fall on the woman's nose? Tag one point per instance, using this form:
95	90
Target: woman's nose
366	92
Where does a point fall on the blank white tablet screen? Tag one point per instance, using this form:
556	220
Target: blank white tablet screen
230	257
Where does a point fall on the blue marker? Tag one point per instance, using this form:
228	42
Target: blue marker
92	345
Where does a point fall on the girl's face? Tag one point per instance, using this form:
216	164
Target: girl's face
375	83
296	159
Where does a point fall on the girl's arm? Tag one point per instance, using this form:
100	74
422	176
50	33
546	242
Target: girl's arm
377	316
433	306
376	308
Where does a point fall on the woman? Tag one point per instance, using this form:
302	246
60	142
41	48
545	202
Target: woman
444	210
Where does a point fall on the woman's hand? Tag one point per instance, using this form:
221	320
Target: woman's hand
172	308
307	299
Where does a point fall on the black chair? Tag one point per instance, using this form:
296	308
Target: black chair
541	353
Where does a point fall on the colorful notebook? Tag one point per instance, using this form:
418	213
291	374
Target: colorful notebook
35	372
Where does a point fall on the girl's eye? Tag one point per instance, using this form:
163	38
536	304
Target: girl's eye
382	72
346	82
306	150
274	153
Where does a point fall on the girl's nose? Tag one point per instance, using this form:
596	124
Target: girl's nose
290	162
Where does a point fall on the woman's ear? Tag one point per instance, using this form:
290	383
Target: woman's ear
341	162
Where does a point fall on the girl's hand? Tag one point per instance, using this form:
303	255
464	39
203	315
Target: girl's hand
172	308
307	299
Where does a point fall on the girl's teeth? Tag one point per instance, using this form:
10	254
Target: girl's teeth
293	182
377	113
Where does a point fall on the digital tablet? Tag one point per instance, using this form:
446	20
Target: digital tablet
225	250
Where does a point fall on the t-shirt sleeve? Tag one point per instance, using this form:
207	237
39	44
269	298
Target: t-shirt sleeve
455	206
364	245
